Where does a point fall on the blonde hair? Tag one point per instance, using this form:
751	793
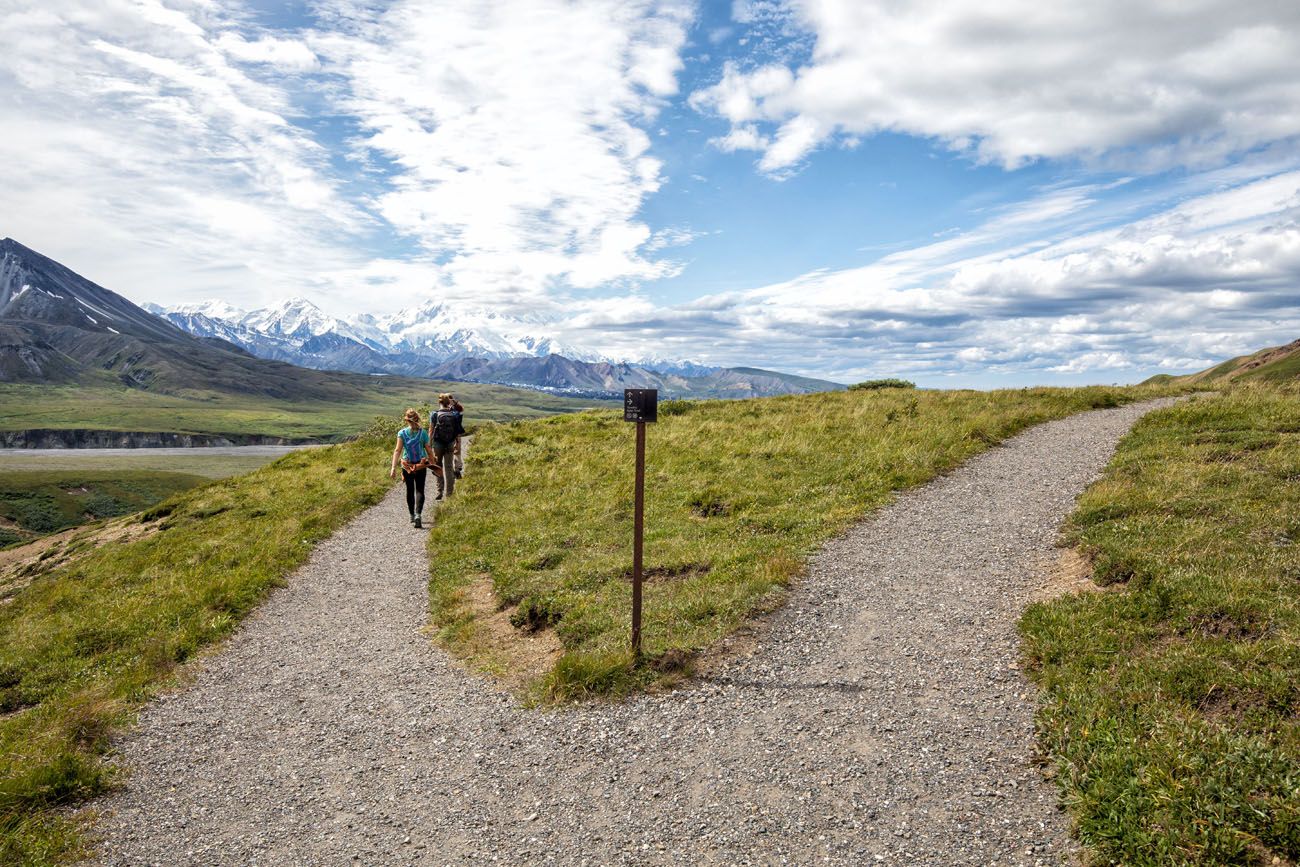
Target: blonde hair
444	399
412	416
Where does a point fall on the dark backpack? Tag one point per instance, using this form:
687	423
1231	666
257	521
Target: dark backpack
445	426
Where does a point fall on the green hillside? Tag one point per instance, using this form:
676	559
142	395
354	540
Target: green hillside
738	496
91	628
37	503
1275	365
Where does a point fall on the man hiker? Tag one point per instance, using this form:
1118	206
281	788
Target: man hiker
444	428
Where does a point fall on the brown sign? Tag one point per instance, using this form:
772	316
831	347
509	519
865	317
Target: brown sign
640	404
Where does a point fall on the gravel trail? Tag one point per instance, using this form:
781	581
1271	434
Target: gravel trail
880	717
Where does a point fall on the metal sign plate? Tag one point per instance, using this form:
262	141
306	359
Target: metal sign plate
640	404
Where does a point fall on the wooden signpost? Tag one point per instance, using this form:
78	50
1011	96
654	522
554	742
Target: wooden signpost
640	405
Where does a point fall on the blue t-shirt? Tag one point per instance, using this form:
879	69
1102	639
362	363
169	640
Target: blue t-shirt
415	444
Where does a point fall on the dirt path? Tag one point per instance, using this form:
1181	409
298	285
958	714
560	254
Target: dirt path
880	718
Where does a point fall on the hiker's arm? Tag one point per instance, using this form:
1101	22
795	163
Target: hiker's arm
397	451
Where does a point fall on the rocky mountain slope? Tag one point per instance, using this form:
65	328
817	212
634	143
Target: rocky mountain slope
57	327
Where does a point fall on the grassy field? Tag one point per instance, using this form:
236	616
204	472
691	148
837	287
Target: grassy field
36	503
24	407
102	625
1172	707
738	495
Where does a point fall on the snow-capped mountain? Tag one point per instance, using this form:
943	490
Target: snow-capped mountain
414	340
443	332
443	341
58	327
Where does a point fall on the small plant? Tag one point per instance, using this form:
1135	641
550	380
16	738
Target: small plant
875	384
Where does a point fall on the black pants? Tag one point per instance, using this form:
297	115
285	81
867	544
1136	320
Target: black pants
414	490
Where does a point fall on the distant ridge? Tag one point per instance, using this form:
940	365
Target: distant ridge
1275	364
608	379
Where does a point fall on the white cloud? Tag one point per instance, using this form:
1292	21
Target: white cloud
1204	279
515	132
290	54
1150	85
142	156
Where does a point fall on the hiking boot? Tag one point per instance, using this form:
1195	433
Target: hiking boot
459	474
412	517
439	496
418	525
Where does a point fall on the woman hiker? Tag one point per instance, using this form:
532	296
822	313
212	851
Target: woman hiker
413	452
444	427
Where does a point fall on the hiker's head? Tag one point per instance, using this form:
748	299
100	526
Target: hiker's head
412	417
444	400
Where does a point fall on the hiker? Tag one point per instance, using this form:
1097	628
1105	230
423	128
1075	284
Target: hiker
444	428
460	461
413	452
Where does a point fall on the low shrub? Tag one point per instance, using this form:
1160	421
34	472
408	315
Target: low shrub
874	384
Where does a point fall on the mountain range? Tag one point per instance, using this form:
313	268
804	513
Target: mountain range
468	344
58	327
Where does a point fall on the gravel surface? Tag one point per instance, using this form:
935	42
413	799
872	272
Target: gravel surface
879	717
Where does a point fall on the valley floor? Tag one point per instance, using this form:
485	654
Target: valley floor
879	717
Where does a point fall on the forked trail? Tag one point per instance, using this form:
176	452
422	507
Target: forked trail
880	717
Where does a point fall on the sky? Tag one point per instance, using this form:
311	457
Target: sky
961	192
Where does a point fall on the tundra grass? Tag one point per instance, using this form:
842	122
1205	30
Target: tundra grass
114	408
1171	707
37	503
86	643
738	495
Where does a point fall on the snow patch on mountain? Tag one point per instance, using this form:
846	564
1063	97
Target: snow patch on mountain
435	332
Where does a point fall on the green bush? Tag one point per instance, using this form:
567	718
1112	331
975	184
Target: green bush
873	384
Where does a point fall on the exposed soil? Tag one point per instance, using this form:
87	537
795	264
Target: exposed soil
1066	571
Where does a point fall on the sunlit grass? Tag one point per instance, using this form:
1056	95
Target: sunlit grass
1172	705
737	497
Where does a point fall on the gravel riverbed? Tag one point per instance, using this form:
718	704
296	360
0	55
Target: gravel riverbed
878	718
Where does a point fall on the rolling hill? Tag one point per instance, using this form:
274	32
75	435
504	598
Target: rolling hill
1275	364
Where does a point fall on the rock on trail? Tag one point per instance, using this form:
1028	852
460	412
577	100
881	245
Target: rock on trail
880	718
